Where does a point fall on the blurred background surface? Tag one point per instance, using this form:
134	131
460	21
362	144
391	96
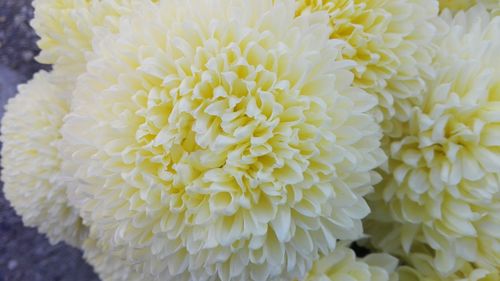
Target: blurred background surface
26	255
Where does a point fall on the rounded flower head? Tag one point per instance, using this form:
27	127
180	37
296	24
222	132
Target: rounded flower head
390	42
68	27
443	174
30	162
342	264
221	139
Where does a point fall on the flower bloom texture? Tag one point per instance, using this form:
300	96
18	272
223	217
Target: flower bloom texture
226	145
420	266
67	29
108	266
443	175
30	160
342	264
390	42
257	139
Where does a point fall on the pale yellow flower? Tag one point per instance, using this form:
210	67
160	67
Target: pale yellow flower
221	139
390	42
30	161
68	29
342	264
443	175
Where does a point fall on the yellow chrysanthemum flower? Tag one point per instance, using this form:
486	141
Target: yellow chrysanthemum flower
390	42
67	29
420	267
30	161
443	175
342	264
221	139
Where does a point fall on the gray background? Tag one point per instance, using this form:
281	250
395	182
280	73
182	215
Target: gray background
26	255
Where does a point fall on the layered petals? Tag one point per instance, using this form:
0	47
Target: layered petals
33	182
342	264
223	141
442	181
391	43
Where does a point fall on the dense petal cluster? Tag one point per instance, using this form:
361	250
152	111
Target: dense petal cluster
342	264
442	181
420	267
30	161
218	141
390	42
231	140
67	29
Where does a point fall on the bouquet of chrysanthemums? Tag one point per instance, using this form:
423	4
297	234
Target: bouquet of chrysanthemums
262	139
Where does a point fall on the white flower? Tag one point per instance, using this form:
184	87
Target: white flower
342	265
390	42
31	166
221	139
67	29
443	176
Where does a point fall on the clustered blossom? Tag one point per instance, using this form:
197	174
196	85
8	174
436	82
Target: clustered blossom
31	165
239	139
390	42
443	175
230	147
67	29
